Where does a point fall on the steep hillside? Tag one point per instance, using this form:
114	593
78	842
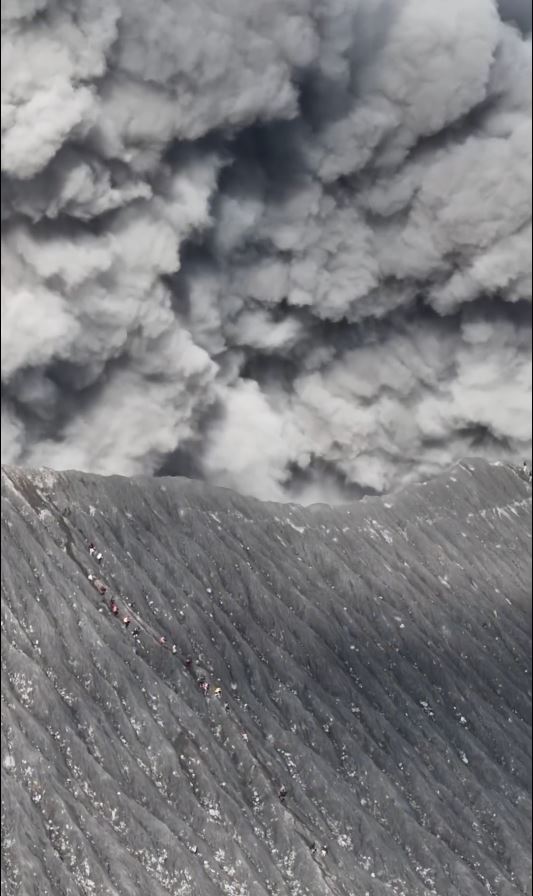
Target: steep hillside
373	659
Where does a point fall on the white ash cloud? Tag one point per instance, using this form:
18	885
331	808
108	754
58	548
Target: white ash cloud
285	245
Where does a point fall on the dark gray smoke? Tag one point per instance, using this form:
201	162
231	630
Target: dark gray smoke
283	245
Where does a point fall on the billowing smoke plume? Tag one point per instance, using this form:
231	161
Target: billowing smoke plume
280	244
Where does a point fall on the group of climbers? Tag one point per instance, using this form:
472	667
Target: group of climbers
113	606
136	631
201	679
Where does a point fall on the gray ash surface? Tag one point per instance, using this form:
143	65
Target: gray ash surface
373	660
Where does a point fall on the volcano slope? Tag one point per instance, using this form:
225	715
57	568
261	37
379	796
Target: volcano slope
374	660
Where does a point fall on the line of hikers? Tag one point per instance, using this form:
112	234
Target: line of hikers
201	680
102	589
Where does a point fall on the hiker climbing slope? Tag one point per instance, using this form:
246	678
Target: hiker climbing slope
97	584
